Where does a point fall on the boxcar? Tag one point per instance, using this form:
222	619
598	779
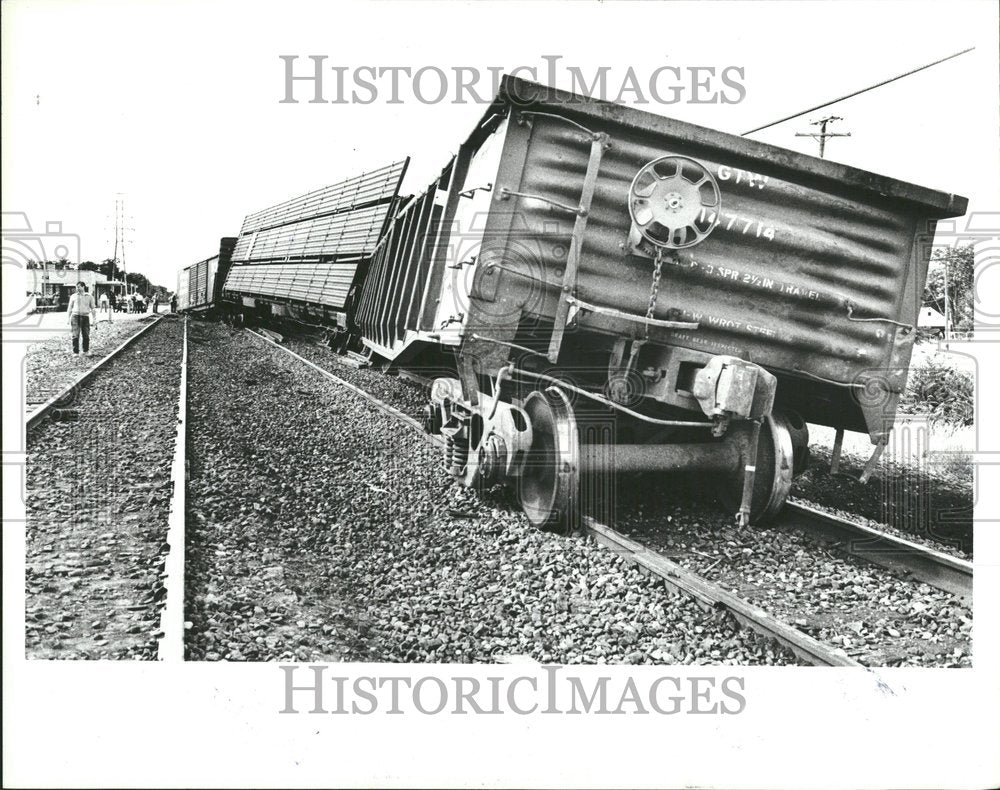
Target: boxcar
199	285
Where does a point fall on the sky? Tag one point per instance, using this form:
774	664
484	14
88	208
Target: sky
176	106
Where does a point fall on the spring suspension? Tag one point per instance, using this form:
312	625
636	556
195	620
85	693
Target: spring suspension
456	456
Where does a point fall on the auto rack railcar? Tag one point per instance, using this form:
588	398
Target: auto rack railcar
305	258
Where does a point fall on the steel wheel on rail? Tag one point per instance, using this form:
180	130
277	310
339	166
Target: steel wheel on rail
550	480
799	431
775	468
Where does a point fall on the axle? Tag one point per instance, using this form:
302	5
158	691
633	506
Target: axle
724	456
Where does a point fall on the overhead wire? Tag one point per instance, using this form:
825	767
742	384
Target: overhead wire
857	92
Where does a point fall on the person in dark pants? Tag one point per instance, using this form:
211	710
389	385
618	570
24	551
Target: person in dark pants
105	305
81	307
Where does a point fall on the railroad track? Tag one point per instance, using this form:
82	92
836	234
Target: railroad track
40	409
907	557
128	499
171	642
899	555
936	568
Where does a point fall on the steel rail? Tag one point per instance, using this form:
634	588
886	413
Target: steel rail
936	568
35	417
170	645
415	378
390	410
170	637
712	596
677	578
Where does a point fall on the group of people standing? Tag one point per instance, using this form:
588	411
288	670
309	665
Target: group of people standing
133	303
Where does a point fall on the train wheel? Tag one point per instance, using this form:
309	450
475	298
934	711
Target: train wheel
800	439
550	481
775	467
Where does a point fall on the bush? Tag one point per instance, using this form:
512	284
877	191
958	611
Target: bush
940	392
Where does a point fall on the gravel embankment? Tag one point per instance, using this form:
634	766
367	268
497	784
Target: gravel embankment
320	529
98	496
50	366
875	616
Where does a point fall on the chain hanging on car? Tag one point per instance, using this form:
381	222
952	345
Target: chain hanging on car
654	289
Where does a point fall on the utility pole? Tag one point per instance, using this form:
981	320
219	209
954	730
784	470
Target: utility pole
120	236
823	133
114	257
124	267
120	229
947	310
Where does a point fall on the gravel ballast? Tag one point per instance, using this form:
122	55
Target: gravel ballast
919	504
50	366
872	614
868	612
933	509
98	496
321	529
400	393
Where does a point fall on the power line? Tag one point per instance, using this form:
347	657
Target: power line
856	93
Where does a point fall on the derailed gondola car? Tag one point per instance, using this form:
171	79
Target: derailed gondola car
627	292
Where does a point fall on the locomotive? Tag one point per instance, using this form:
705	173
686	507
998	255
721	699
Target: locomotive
617	292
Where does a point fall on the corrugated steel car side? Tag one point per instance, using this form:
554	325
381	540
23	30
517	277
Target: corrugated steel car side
815	269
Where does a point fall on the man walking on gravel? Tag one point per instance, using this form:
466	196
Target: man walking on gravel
81	307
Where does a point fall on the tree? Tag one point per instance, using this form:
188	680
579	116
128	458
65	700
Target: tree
88	266
140	281
111	269
954	268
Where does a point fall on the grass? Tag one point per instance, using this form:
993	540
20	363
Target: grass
945	395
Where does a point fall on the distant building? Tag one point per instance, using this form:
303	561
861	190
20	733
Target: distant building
930	318
54	286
